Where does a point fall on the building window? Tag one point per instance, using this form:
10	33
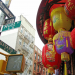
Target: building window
29	72
38	69
20	73
35	48
35	55
18	52
43	71
33	39
38	58
41	59
34	66
20	41
46	73
25	33
24	44
21	29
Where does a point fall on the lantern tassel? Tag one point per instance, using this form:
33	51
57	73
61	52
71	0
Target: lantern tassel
65	68
66	42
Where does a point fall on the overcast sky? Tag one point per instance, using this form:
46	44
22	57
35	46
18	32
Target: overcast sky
29	9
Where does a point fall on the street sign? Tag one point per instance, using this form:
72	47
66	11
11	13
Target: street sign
11	26
4	8
7	48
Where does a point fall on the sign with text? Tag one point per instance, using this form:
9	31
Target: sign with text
7	48
6	10
11	26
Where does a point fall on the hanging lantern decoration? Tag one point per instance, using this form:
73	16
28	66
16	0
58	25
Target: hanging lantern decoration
62	43
73	38
69	9
50	57
48	29
60	20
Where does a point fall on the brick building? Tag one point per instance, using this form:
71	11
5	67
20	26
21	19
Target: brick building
38	68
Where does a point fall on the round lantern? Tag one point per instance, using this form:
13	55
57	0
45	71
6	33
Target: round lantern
73	38
48	29
50	57
62	42
70	9
60	20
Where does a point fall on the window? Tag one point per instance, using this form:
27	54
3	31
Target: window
41	59
34	66
29	72
35	55
24	44
18	52
35	48
25	32
20	41
32	38
38	69
46	73
21	29
20	73
38	57
43	71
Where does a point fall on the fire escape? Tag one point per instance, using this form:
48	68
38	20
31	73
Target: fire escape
29	51
41	66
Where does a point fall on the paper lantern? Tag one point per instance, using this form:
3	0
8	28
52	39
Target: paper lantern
50	57
51	70
73	38
48	29
60	20
70	9
62	42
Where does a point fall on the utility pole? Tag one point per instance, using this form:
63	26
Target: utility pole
2	16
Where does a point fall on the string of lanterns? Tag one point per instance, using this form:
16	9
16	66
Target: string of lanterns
60	45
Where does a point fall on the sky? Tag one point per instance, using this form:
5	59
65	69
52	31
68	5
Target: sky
29	9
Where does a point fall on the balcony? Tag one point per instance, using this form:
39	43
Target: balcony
28	62
26	36
25	48
21	35
32	45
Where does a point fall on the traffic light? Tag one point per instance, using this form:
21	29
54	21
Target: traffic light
2	65
15	63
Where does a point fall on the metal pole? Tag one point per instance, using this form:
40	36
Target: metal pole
2	16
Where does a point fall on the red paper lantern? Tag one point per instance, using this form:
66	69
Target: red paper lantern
48	29
50	58
70	9
73	38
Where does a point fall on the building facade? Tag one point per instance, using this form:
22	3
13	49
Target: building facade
23	42
38	68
